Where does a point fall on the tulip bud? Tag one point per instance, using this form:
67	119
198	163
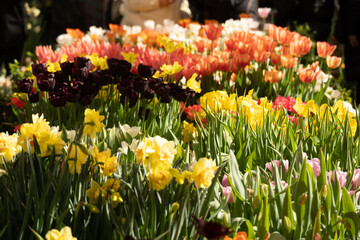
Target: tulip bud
287	223
174	207
303	199
324	191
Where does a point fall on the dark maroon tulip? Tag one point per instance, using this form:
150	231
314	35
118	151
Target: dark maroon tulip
72	94
38	68
146	71
57	98
67	67
33	97
25	85
119	67
210	230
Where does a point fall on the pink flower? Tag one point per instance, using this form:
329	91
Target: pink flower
340	175
227	190
356	179
315	164
283	183
264	12
277	163
224	181
351	192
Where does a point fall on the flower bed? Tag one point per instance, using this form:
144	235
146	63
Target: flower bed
225	134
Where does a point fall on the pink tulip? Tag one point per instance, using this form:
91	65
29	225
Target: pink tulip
356	179
315	164
224	181
340	175
283	183
351	192
264	12
227	190
277	163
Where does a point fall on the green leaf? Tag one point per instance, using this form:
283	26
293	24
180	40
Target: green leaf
235	180
349	213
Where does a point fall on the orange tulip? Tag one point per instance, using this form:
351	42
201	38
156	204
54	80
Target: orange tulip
283	36
239	236
212	31
300	46
310	73
324	49
75	33
273	76
230	44
333	61
118	29
288	61
275	58
261	56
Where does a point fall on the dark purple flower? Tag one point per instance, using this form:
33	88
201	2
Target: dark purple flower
141	85
146	71
45	82
148	94
33	97
67	67
126	87
25	85
85	100
119	67
72	94
210	230
133	98
82	62
38	68
57	98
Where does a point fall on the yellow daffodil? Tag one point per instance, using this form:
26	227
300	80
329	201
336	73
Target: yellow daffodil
189	131
130	56
159	178
55	143
193	84
93	122
109	164
203	172
8	146
64	234
156	153
94	192
108	189
40	128
76	159
180	177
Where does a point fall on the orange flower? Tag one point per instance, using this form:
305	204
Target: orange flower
310	73
118	29
261	56
300	46
275	58
283	36
185	23
287	61
265	43
333	61
230	44
239	236
212	31
75	33
110	36
324	49
273	76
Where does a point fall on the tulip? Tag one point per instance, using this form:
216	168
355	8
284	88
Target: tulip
273	76
25	85
212	31
324	49
333	61
264	12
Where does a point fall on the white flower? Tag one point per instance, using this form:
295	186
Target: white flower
149	24
132	131
98	32
264	12
65	40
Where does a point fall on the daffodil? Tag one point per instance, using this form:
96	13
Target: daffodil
169	44
108	164
159	178
93	122
76	159
203	172
180	177
64	234
8	146
55	143
189	131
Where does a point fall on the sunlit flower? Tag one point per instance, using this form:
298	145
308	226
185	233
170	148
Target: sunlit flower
300	46
212	31
9	146
107	164
156	153
180	177
333	62
54	143
93	122
203	172
324	49
171	69
169	45
193	84
64	234
106	190
130	56
239	236
189	131
75	33
159	178
273	76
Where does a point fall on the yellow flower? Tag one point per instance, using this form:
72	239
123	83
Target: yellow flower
169	44
171	69
63	234
93	122
53	67
180	178
159	178
305	109
156	153
193	84
130	56
99	63
8	146
189	131
40	128
55	142
93	193
108	188
76	159
115	199
203	172
109	164
63	58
